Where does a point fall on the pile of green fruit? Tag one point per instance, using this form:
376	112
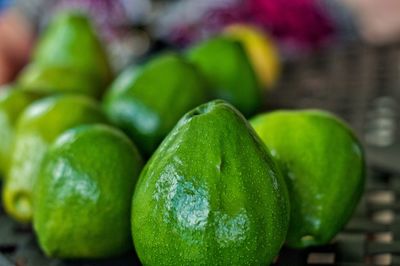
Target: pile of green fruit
215	190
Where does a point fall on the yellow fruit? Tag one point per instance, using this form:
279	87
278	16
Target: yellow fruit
262	51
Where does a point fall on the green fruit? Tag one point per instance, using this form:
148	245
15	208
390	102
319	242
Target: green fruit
147	102
12	103
210	195
83	193
49	80
223	61
324	166
68	57
37	127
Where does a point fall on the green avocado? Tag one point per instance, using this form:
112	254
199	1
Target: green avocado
12	102
325	168
68	58
224	63
211	194
83	193
36	128
147	101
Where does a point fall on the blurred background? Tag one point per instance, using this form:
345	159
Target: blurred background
131	28
340	55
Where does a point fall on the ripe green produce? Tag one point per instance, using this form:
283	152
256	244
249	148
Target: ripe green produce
68	58
36	128
83	193
224	62
324	166
12	103
211	194
147	102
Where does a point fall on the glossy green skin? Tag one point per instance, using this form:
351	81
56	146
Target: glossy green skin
210	195
37	127
83	193
147	102
12	103
69	54
223	61
325	169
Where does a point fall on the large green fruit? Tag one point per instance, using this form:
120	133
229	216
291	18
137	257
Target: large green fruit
68	58
324	166
37	127
223	61
210	195
12	103
83	193
147	102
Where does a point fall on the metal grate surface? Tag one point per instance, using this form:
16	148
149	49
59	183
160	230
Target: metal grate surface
355	81
359	83
371	238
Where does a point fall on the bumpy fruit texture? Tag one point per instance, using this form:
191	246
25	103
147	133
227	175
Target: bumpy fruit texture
210	195
37	127
12	103
262	52
83	193
68	58
146	102
324	166
226	66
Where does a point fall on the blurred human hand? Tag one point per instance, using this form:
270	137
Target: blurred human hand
378	20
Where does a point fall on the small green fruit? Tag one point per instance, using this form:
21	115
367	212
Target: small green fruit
224	63
324	166
68	58
12	103
83	193
147	102
37	127
58	79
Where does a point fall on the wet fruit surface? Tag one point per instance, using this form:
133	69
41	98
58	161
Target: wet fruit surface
324	167
210	195
83	193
